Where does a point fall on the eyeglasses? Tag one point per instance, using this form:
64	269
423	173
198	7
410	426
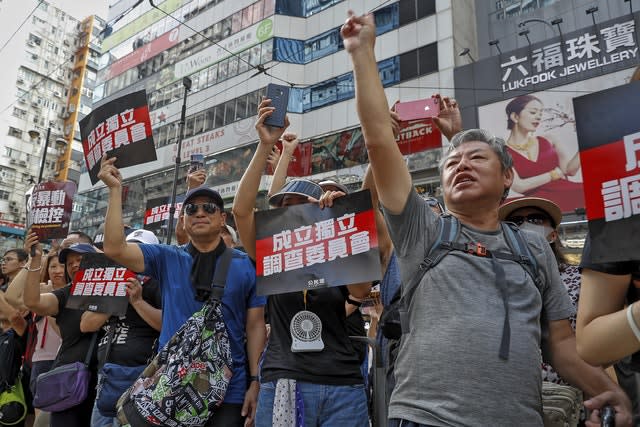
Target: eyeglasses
209	207
534	218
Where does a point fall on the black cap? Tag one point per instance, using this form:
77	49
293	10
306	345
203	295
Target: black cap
206	192
81	248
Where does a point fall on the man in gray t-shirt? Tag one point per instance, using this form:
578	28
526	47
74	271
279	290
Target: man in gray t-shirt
450	369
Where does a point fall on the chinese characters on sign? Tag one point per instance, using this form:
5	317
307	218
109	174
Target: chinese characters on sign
318	243
609	138
305	247
621	197
160	213
100	285
47	207
110	281
50	208
120	128
587	51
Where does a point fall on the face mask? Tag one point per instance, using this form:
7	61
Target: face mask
543	230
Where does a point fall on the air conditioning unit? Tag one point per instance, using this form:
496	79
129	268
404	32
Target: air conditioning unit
21	100
35	104
52	123
31	43
12	161
57	94
15	210
13	203
23	163
20	80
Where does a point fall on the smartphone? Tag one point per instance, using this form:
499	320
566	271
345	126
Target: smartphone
279	96
420	109
197	162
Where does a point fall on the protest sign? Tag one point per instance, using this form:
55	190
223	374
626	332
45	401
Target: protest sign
120	128
609	139
50	208
305	247
100	285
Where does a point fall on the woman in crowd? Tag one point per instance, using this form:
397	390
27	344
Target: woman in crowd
46	343
543	216
75	344
541	163
322	387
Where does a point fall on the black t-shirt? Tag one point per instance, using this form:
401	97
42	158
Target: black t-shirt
337	364
618	269
134	339
75	344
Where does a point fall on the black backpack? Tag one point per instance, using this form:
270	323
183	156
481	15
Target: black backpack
11	349
394	320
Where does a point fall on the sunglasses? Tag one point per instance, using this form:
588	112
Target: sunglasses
534	218
209	207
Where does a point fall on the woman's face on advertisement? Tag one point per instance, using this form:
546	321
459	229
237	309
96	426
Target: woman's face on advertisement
530	117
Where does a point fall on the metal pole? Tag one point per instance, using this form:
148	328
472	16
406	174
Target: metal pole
44	154
186	81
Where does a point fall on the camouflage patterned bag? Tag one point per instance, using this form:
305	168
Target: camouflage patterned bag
188	379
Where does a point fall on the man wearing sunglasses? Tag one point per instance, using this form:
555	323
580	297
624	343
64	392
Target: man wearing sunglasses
185	275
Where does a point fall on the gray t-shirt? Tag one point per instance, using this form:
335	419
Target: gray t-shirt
448	372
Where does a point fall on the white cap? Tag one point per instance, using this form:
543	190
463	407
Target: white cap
232	232
143	236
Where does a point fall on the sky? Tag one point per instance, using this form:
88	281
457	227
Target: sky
80	9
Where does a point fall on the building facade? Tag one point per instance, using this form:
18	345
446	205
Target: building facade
231	50
49	70
545	54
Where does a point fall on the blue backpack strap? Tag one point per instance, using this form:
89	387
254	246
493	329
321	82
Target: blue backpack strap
520	248
449	228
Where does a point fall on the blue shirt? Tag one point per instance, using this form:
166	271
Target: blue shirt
171	266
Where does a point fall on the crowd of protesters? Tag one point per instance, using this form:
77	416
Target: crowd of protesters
480	323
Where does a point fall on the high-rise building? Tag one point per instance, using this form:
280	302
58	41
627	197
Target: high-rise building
49	70
231	50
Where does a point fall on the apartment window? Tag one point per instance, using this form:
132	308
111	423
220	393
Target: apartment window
15	132
4	195
19	112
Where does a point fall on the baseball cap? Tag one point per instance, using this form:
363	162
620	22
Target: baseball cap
327	184
544	205
232	232
300	187
143	236
80	248
205	192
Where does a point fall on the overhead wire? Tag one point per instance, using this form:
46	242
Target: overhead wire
20	26
259	68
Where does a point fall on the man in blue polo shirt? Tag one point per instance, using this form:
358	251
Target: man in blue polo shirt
183	271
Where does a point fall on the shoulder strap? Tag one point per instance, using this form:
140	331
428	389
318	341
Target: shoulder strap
449	228
113	323
94	338
220	275
520	248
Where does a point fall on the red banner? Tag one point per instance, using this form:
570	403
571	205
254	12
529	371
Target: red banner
50	208
100	285
609	138
120	128
418	135
305	247
300	164
149	50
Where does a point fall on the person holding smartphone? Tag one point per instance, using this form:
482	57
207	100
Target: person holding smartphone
328	382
